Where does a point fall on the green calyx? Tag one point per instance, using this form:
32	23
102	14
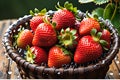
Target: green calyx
66	52
68	6
97	37
67	37
37	12
29	55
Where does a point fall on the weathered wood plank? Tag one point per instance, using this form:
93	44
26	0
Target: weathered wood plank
113	71
8	70
3	59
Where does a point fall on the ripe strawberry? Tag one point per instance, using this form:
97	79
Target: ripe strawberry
25	38
68	38
45	35
36	55
89	48
58	56
87	24
64	17
37	18
106	36
35	21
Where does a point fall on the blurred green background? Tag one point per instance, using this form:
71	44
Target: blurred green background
10	9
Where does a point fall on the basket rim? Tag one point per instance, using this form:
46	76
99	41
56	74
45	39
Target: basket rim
7	43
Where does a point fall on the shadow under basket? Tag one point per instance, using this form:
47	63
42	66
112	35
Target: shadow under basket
96	69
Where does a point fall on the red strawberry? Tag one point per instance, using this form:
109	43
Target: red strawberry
89	48
87	24
36	55
106	36
35	21
58	56
37	18
25	38
68	38
45	35
64	17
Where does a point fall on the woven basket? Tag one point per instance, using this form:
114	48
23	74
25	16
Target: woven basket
96	69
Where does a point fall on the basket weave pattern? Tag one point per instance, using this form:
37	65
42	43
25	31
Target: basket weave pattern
28	70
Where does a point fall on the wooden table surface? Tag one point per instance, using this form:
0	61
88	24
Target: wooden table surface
9	70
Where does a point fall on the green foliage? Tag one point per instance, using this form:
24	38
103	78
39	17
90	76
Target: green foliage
108	11
99	2
116	21
98	12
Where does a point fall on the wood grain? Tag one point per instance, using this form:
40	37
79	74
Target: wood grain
9	70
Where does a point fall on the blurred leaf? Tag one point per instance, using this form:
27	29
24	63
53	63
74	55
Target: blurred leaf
109	10
116	21
99	2
98	12
85	1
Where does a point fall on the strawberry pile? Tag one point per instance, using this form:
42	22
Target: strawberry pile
62	39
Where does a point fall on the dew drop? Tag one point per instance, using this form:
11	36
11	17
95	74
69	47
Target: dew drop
111	73
9	72
118	73
117	62
58	73
18	77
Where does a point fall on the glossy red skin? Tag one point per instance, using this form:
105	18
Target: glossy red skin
87	50
35	21
63	18
106	36
45	36
25	38
41	55
87	24
57	58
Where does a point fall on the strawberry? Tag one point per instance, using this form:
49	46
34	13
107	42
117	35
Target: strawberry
24	38
89	47
87	24
68	38
64	17
58	56
37	18
36	55
107	37
45	35
35	21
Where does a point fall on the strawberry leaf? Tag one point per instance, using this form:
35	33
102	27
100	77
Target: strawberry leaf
93	32
104	44
37	12
99	34
98	12
108	11
29	55
68	6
